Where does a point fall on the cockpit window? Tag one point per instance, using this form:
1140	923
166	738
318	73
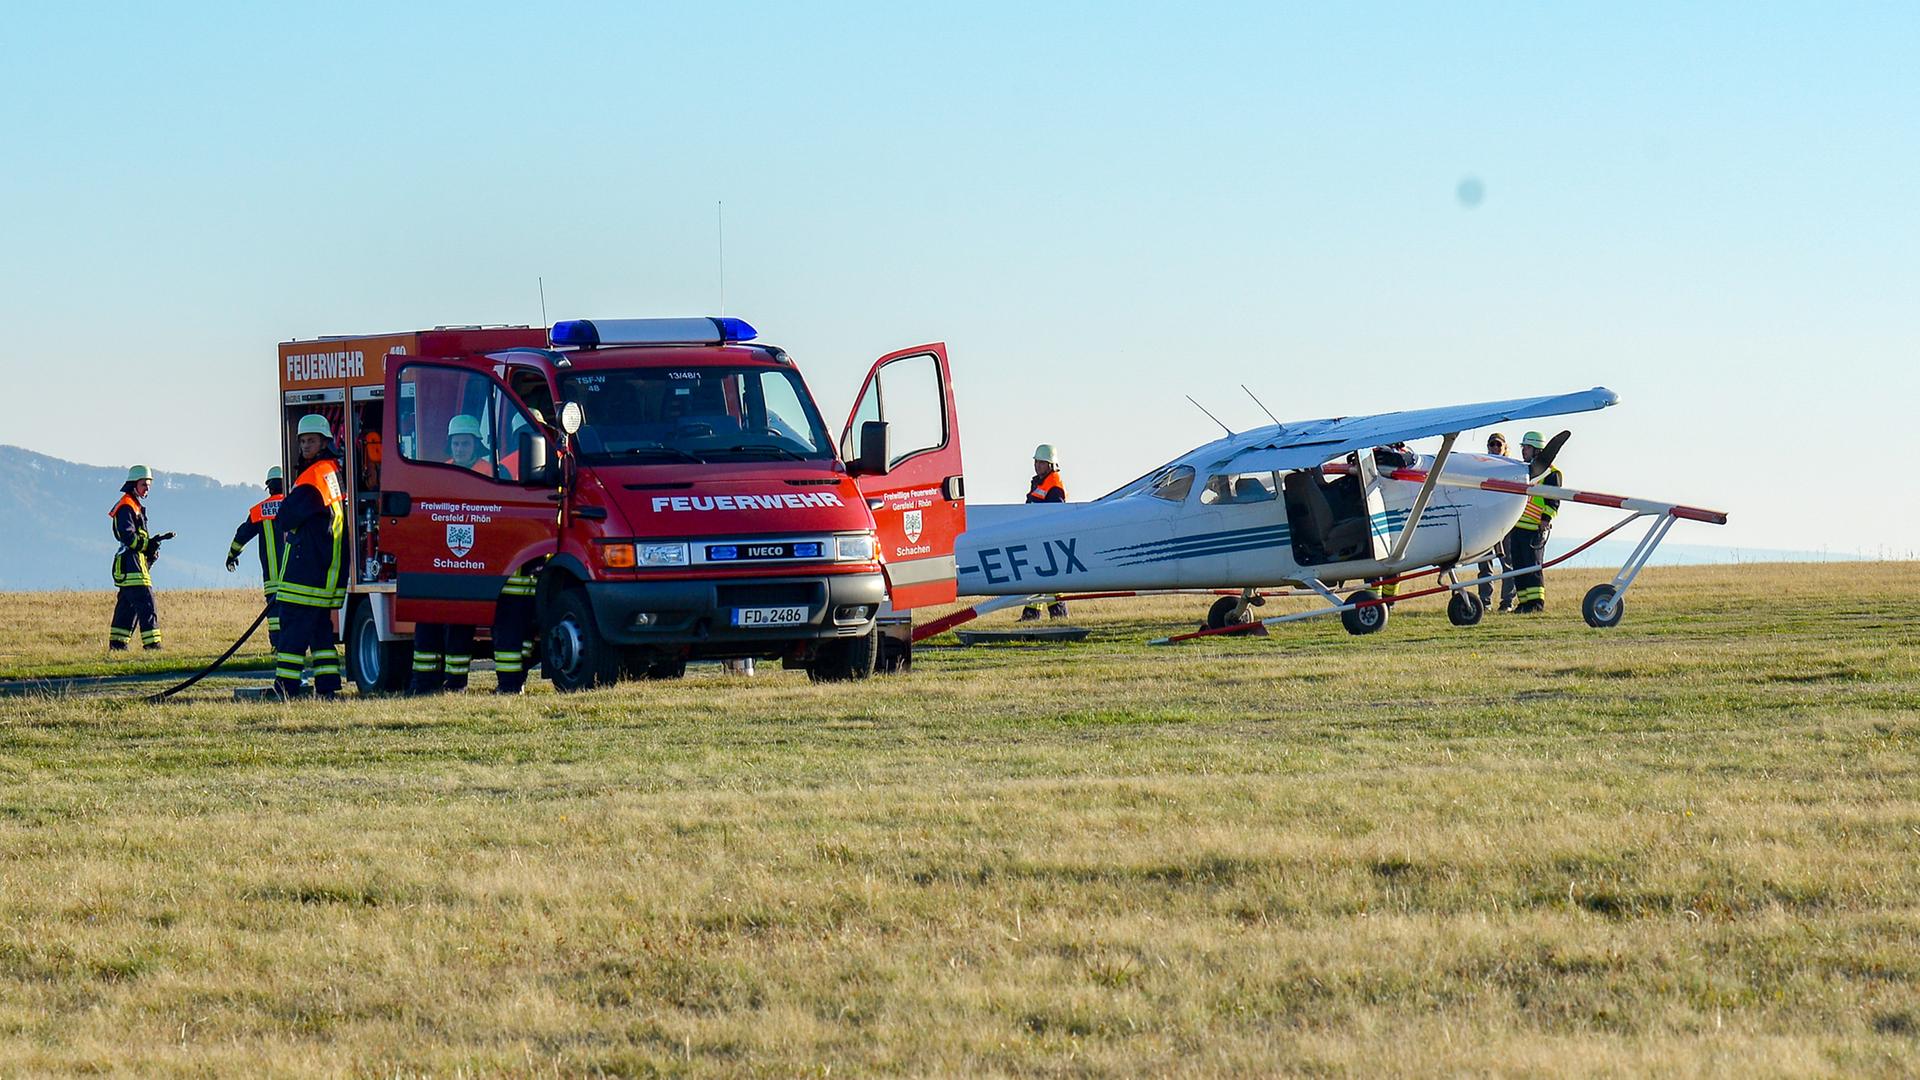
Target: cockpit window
1225	489
1172	484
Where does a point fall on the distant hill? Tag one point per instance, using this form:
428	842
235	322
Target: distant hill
54	532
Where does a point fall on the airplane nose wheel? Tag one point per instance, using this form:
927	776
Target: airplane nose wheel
1225	612
1603	606
1464	609
1364	620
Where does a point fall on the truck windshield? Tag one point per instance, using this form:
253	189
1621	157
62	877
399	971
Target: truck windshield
696	414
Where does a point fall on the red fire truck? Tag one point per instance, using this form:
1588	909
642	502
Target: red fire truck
669	482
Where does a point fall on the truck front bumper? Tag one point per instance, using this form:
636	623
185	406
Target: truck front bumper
699	613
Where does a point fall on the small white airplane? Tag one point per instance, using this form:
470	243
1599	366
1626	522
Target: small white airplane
1300	509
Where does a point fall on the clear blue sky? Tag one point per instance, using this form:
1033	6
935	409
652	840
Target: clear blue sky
1101	209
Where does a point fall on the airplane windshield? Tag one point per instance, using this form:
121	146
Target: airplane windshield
696	414
1173	484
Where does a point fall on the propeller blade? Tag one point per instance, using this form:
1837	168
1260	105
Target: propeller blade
1543	460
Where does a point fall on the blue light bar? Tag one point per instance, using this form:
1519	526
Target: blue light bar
719	553
732	329
575	332
589	333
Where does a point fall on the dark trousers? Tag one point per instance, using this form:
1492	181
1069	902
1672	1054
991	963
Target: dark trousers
442	653
1525	551
512	645
305	630
1499	563
132	610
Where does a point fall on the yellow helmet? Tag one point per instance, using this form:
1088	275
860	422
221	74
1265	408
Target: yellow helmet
274	474
1534	439
139	472
315	424
466	425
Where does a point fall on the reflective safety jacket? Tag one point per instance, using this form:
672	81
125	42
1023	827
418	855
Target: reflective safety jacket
133	563
260	523
1047	488
313	521
1540	510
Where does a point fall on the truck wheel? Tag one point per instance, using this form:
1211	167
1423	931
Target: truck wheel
377	667
845	659
576	657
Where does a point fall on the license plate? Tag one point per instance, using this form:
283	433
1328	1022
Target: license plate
769	616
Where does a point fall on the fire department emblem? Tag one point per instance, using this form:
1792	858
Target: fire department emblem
912	523
459	539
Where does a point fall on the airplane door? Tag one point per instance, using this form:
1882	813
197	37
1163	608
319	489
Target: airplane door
454	516
1376	504
919	502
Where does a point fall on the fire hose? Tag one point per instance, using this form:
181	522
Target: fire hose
215	666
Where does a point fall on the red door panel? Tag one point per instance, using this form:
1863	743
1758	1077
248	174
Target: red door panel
919	505
468	523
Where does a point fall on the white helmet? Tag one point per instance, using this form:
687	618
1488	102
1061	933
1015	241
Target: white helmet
1045	452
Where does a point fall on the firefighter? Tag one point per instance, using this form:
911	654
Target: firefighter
1497	446
313	574
259	525
133	563
513	623
1527	543
466	441
1046	488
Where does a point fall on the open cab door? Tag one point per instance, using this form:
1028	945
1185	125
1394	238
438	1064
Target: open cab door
902	445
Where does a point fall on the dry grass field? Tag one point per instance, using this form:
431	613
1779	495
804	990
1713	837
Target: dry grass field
1686	846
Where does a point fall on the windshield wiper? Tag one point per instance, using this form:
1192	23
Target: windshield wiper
764	448
670	451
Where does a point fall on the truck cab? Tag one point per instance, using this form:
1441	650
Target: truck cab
673	489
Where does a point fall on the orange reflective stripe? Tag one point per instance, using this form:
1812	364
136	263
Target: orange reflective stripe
1049	482
125	500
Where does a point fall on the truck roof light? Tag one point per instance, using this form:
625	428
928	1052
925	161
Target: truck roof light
588	333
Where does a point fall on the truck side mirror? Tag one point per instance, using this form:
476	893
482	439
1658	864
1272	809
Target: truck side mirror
536	460
875	450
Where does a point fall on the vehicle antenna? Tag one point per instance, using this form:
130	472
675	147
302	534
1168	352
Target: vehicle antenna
1263	407
1210	416
720	232
543	301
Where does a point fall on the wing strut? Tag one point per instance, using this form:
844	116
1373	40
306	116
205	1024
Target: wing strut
1420	501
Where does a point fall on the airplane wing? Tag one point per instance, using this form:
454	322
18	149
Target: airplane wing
1304	445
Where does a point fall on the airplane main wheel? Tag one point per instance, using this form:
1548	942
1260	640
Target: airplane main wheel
1364	620
1603	606
1220	615
1465	609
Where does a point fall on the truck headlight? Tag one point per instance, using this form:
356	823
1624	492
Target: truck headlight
660	555
858	548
